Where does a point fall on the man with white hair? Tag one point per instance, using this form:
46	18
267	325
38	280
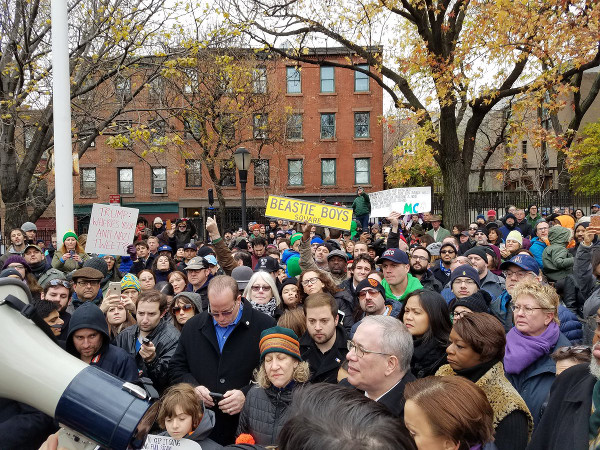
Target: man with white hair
572	418
379	361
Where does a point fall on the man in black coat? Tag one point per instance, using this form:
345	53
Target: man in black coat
379	361
324	344
218	352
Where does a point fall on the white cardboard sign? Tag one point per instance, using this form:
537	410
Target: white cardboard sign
155	442
411	200
111	229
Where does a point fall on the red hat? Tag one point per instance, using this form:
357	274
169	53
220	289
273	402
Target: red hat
491	212
256	226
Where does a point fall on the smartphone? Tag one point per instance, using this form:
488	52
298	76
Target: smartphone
168	224
114	288
146	341
211	197
72	252
216	396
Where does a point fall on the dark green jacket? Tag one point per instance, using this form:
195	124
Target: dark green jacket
361	205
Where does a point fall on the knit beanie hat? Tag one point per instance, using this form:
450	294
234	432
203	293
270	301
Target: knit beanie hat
28	226
370	283
465	271
10	272
295	237
98	264
478	302
292	280
315	240
477	250
279	339
514	235
16	259
130	281
293	266
69	233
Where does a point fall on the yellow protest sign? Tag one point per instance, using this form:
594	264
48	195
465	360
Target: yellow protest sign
303	211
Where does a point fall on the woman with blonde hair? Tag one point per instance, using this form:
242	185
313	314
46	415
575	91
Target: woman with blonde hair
262	294
281	371
531	341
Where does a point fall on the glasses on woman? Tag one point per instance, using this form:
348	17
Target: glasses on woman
360	350
310	281
186	307
257	288
527	310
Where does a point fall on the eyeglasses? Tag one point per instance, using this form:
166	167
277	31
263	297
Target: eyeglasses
520	274
466	281
447	252
17	266
58	282
472	228
261	288
223	314
419	258
527	310
479	233
186	307
310	281
364	292
360	351
82	283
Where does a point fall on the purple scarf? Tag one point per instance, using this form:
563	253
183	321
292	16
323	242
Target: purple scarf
523	350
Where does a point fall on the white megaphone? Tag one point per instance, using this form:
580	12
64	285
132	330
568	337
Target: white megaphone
82	398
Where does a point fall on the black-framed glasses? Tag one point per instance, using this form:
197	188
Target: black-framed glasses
419	258
447	252
59	282
185	307
83	283
361	351
310	281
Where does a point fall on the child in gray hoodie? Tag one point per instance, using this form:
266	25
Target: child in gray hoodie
558	262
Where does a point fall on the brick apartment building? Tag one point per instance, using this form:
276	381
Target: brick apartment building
333	144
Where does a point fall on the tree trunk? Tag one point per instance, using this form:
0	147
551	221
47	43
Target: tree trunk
456	193
16	215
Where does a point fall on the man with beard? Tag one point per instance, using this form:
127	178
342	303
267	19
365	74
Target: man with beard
323	345
441	269
35	258
372	302
58	291
419	268
572	418
490	282
337	262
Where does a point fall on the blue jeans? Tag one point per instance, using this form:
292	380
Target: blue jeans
364	221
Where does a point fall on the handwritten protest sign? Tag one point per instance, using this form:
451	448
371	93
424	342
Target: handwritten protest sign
111	229
154	442
303	211
411	200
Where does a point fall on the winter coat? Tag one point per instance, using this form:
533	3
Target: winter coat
565	422
265	412
10	252
533	383
392	308
533	221
558	262
184	237
109	358
526	229
23	427
442	234
428	356
346	303
139	265
505	229
67	265
324	367
164	338
199	361
492	284
438	273
431	283
202	431
537	250
40	268
570	325
413	285
570	294
361	205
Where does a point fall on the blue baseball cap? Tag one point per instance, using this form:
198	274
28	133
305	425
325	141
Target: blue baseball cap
165	248
211	259
395	255
524	262
188	245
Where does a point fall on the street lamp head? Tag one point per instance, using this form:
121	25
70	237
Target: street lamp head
242	158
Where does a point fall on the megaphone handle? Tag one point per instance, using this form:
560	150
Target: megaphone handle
71	440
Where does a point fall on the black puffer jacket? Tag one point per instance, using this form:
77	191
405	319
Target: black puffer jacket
265	412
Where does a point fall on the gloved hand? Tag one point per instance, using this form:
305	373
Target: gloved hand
131	251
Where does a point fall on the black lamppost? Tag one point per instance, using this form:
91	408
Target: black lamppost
242	159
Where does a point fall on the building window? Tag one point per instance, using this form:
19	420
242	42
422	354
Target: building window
86	130
294	127
159	180
260	126
328	172
190	81
362	171
294	81
261	172
524	153
156	89
122	87
88	182
28	135
125	181
193	173
295	172
327	79
158	130
361	80
361	124
192	129
227	127
259	80
327	125
227	173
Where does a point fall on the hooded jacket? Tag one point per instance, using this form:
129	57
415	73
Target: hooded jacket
109	358
558	262
413	285
505	229
200	434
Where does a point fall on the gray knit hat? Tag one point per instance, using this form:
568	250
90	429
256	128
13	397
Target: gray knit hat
98	264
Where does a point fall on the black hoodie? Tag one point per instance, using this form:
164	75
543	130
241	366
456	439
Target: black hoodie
110	358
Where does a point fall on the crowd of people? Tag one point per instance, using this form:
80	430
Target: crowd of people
399	333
